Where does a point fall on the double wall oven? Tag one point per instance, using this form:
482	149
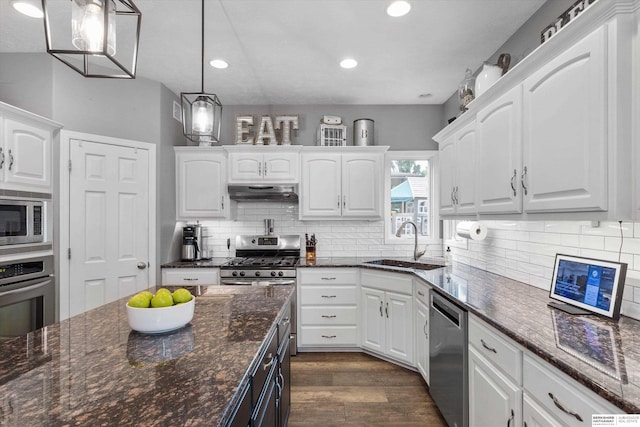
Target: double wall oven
265	260
27	286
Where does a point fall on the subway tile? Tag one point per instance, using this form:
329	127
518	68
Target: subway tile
610	228
530	269
630	309
629	245
608	256
566	227
530	225
540	282
542	260
591	242
628	292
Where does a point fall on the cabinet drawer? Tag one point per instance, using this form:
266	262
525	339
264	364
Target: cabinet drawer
496	348
328	336
328	276
329	315
554	389
394	282
422	293
267	359
328	295
190	276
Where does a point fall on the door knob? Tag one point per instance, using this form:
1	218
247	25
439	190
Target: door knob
142	265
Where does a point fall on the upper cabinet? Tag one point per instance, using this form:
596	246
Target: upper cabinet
457	177
554	137
201	183
342	183
25	150
266	164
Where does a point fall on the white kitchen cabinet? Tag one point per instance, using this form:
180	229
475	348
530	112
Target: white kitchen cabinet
25	150
201	185
499	149
494	400
328	308
387	315
534	415
422	330
274	165
340	184
457	172
565	130
190	276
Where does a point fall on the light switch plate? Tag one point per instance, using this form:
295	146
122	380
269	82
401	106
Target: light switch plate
177	111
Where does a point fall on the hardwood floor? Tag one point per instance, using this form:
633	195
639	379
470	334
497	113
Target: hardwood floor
355	389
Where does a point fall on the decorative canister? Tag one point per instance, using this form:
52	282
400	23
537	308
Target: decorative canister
363	132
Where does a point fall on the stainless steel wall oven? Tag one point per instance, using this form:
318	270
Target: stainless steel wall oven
27	296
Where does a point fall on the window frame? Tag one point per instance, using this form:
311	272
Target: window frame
432	157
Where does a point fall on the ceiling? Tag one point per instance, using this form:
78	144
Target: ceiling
287	51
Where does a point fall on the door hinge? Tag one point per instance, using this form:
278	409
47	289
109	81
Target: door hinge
68	253
69	165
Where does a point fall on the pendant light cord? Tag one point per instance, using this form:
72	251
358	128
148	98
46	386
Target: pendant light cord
202	52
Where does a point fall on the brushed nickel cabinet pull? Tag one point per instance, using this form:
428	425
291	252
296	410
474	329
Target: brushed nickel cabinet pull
222	202
190	279
266	365
1	158
344	201
421	293
10	159
380	308
329	316
327	278
510	418
328	336
425	329
260	169
484	344
524	175
560	406
513	179
386	310
265	168
328	296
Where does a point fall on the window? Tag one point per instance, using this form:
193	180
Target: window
410	193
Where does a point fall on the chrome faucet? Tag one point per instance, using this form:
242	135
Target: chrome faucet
416	254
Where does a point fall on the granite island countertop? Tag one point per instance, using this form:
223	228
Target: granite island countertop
601	354
92	369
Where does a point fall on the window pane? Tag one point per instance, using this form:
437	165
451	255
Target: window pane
410	196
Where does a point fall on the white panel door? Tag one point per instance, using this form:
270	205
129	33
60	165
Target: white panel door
399	317
321	186
281	167
361	185
465	192
534	415
422	340
499	153
27	157
447	176
109	232
245	167
565	138
373	321
201	190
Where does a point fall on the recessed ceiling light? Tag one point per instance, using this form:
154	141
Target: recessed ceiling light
27	8
348	63
218	63
398	8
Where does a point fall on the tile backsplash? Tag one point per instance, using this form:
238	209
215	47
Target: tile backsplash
525	250
336	238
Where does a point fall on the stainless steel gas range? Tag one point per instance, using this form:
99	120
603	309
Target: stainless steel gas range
265	261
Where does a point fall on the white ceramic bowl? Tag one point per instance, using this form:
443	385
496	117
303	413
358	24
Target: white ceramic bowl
161	319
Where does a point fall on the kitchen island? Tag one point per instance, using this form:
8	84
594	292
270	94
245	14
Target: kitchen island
92	369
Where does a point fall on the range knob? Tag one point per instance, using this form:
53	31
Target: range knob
280	273
273	274
242	274
234	274
257	274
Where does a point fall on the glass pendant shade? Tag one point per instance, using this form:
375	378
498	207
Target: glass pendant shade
88	19
83	34
201	117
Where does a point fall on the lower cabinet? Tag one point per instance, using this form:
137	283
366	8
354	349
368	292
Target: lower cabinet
386	302
422	330
494	400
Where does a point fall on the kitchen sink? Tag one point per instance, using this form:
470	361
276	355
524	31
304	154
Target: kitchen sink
403	264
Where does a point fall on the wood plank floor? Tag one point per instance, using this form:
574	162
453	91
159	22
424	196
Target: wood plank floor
355	389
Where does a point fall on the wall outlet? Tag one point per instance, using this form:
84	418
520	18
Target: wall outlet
177	111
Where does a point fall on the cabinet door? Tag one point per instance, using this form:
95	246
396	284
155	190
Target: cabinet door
565	137
373	322
465	191
399	316
362	185
280	167
245	167
422	340
500	154
447	176
493	399
321	196
27	157
201	187
534	415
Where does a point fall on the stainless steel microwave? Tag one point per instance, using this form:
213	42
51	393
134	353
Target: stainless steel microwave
21	221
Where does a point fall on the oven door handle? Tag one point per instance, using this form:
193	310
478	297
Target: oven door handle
250	282
26	289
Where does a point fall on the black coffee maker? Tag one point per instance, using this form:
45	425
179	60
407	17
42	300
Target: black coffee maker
190	250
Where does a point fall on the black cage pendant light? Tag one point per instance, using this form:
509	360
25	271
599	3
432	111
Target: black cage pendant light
97	38
201	112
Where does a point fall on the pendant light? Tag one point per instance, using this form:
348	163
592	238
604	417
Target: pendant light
201	112
97	38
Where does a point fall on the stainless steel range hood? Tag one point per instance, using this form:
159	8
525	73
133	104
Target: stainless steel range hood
264	193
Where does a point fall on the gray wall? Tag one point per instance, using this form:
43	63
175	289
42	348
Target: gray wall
519	45
402	127
25	82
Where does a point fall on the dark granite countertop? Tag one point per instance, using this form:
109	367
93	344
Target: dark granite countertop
92	369
205	263
601	354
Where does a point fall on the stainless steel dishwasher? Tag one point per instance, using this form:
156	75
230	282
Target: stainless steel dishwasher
448	360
